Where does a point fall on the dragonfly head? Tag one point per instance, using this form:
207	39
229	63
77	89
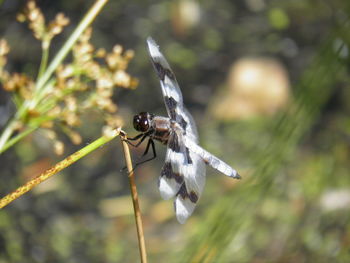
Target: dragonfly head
142	121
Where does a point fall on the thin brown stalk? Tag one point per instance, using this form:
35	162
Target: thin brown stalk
57	168
135	199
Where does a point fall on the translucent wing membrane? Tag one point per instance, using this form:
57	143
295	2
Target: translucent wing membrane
211	160
170	88
171	91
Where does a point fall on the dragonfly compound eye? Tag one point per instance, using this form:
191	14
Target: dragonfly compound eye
141	122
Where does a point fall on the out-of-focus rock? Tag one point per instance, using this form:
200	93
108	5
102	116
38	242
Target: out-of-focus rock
336	199
184	16
255	87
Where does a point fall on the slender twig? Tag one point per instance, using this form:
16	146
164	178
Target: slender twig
135	200
57	168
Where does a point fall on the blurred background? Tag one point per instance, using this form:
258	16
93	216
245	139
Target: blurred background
267	83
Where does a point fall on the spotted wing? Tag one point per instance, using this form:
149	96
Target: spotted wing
171	91
194	181
172	177
183	176
170	88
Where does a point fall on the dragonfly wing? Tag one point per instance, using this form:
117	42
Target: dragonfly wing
211	160
170	88
193	172
171	177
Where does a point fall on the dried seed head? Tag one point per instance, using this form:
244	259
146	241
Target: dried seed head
100	53
93	70
20	83
71	118
121	78
56	26
58	147
129	54
85	37
88	82
50	134
47	125
71	103
75	137
104	82
117	50
4	48
55	112
114	121
32	14
114	60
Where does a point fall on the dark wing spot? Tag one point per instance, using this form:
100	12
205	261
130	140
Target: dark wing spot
168	172
178	178
183	193
183	123
193	197
162	72
171	104
189	160
170	74
173	143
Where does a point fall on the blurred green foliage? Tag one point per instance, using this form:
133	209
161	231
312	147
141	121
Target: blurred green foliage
293	163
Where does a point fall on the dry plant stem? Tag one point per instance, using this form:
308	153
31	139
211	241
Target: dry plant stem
57	168
135	200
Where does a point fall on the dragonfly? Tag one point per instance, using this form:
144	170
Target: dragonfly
183	174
